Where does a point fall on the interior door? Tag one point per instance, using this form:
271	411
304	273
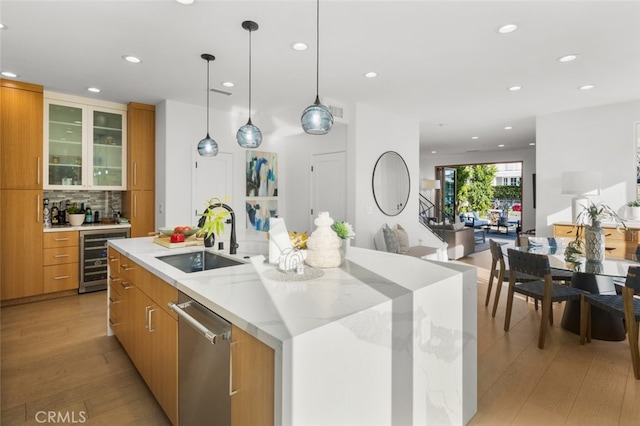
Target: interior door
328	186
211	178
447	202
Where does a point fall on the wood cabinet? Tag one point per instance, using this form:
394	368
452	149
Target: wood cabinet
139	200
60	260
138	207
142	322
252	380
618	245
85	143
21	189
21	134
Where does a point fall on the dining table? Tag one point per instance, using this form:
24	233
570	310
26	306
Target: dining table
604	277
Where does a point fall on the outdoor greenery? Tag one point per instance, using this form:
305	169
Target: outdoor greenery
506	192
475	193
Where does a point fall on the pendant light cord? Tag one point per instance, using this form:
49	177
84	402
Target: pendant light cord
208	93
317	47
250	75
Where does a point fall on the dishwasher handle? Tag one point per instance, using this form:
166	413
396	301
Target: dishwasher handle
208	334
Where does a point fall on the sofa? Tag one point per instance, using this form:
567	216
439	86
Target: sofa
472	220
396	240
461	241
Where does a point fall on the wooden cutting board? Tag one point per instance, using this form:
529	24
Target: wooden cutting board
188	242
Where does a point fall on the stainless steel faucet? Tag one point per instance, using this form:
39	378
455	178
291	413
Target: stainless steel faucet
232	241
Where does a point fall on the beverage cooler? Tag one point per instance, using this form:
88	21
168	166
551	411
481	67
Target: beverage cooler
93	257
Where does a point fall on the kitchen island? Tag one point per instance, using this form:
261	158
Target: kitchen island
383	339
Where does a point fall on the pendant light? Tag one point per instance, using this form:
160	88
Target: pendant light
317	119
207	147
249	136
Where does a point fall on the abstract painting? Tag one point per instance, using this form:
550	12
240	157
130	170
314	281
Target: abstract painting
259	212
262	174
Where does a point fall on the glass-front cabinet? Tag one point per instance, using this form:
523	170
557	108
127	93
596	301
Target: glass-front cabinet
85	144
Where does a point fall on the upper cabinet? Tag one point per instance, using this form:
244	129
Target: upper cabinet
21	135
85	143
141	147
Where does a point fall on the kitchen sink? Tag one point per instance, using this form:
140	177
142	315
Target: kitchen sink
199	261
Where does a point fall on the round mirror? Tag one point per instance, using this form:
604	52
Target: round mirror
391	183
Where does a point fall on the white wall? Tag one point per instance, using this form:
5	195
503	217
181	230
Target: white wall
428	163
374	132
600	138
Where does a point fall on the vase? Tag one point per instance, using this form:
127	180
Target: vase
323	245
345	247
594	242
210	240
635	213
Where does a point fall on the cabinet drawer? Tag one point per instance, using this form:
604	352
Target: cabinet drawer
59	256
115	322
61	239
60	277
613	234
564	231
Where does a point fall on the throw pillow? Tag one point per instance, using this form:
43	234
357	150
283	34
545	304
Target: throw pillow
403	239
390	239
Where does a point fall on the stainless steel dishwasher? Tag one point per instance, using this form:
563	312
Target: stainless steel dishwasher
204	369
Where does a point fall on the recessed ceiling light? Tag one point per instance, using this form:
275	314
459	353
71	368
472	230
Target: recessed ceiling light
515	88
9	74
227	84
299	46
2	26
501	145
93	89
474	137
131	59
371	74
433	152
185	1
587	87
568	58
508	28
508	127
532	143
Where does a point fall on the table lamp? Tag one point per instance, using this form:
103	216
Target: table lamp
581	185
430	185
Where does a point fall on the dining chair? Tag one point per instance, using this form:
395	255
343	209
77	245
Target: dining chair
559	275
501	274
543	288
625	306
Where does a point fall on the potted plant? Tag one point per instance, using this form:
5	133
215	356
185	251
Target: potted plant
634	209
344	230
75	215
212	221
592	216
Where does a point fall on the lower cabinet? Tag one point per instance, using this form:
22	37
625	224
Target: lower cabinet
618	245
60	260
148	330
145	329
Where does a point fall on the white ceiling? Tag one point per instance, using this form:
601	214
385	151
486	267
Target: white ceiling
442	62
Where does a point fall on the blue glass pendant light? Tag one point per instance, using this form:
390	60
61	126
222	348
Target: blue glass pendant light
207	147
249	136
317	119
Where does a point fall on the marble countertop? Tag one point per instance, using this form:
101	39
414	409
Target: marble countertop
276	311
87	227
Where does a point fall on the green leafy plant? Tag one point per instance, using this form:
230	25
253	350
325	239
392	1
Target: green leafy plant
573	251
343	229
600	213
634	203
74	210
214	218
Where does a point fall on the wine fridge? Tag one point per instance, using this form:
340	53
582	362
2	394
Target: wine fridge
93	257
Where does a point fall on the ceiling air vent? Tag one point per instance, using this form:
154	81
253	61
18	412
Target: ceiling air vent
336	111
474	150
222	92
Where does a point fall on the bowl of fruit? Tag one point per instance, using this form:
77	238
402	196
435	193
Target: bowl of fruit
187	231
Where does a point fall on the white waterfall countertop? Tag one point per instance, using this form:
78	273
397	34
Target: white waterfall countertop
383	339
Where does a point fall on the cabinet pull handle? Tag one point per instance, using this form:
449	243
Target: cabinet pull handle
114	301
146	317
232	390
38	216
125	285
151	329
61	255
135	174
114	278
61	239
61	277
112	258
135	206
38	171
113	324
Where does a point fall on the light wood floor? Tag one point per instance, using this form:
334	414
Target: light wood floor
562	384
56	356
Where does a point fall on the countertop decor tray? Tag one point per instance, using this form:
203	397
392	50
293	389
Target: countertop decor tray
188	242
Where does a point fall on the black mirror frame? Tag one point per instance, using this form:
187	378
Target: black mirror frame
373	189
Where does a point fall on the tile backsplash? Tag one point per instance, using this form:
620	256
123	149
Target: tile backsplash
98	200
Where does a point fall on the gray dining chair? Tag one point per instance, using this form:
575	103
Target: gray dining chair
542	289
623	305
